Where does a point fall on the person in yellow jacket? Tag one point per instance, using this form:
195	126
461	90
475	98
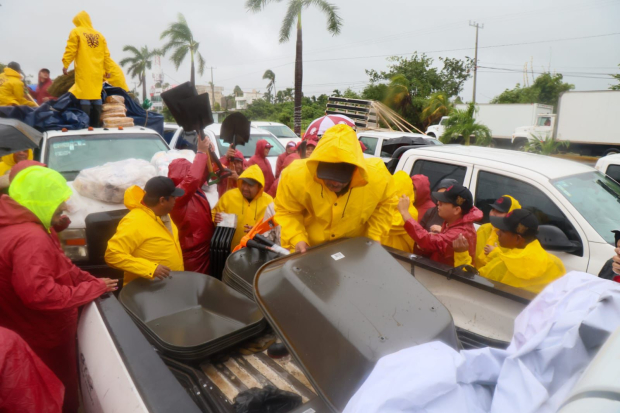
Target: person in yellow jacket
12	87
88	50
521	262
335	193
248	201
398	237
116	76
146	242
8	161
486	236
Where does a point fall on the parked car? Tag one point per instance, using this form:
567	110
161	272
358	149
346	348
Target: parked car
576	198
376	140
169	131
71	151
610	166
280	130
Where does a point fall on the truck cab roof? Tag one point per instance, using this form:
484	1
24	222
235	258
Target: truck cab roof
99	131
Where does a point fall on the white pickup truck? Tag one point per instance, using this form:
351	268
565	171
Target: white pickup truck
582	202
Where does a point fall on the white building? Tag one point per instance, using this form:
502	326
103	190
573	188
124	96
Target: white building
242	102
215	95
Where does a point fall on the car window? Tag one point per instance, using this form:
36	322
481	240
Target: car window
370	143
436	171
249	148
544	121
280	131
169	134
491	186
187	140
613	171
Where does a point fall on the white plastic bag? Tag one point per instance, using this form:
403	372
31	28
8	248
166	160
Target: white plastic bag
162	160
109	181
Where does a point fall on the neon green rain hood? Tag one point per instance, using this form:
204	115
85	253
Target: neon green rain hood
41	191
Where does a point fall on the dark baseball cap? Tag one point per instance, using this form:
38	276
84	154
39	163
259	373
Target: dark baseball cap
15	66
160	186
519	221
447	183
340	172
502	204
250	181
456	195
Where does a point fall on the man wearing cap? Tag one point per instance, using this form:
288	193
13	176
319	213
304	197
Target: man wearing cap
456	207
12	88
335	193
486	237
521	262
146	243
431	221
260	158
290	148
234	161
248	202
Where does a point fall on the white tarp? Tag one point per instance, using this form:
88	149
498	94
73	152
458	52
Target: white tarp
556	336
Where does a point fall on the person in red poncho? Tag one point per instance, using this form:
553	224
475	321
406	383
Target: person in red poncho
27	385
192	213
234	161
41	95
290	148
260	158
303	150
40	288
423	201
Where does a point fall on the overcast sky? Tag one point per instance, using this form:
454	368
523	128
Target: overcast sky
242	45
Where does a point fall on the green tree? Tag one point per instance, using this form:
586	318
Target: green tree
615	87
271	86
545	145
461	125
139	62
167	114
237	91
546	89
351	94
181	41
437	106
293	15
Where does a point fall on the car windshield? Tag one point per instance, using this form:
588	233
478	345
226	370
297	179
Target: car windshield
70	154
596	197
249	148
280	131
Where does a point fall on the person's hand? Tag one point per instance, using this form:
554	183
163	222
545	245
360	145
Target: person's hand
435	229
403	207
161	272
203	145
107	76
218	218
488	249
230	153
234	175
302	246
460	244
46	99
110	284
247	228
64	70
616	264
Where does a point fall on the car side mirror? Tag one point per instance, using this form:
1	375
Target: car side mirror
552	238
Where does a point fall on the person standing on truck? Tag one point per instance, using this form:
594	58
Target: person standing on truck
248	202
192	213
40	94
521	261
431	221
88	49
456	207
12	88
333	194
146	243
486	236
260	158
116	76
423	201
398	237
40	288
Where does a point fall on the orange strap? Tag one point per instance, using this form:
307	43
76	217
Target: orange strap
260	228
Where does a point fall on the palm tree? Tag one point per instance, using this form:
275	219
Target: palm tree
461	123
271	86
293	14
237	91
545	144
399	96
138	63
181	39
435	108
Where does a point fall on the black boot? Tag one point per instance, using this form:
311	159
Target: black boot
86	109
95	115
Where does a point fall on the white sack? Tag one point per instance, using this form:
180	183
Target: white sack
162	160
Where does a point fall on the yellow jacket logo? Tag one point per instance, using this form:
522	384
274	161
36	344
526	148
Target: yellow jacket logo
92	39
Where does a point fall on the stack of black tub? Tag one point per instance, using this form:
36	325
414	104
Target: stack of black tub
242	266
220	249
190	316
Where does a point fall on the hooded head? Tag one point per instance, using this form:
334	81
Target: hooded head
422	189
178	170
41	191
339	144
23	165
250	175
261	145
8	161
82	19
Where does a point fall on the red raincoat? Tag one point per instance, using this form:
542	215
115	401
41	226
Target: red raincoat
227	184
26	384
41	91
438	247
40	292
280	163
423	201
261	160
192	213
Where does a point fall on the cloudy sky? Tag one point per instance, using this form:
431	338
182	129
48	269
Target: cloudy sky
580	39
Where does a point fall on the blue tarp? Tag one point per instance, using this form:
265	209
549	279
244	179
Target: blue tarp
140	116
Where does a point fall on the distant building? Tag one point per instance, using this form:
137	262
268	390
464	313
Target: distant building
219	92
242	102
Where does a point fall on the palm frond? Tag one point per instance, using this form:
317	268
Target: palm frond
258	5
131	49
269	75
178	56
127	60
334	21
201	62
294	8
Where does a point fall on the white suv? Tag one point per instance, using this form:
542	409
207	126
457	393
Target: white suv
280	130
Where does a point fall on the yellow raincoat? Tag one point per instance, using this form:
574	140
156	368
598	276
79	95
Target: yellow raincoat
398	237
308	211
12	89
142	241
88	49
8	161
248	213
530	268
117	77
487	235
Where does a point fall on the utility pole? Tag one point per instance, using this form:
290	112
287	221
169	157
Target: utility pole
477	26
212	85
